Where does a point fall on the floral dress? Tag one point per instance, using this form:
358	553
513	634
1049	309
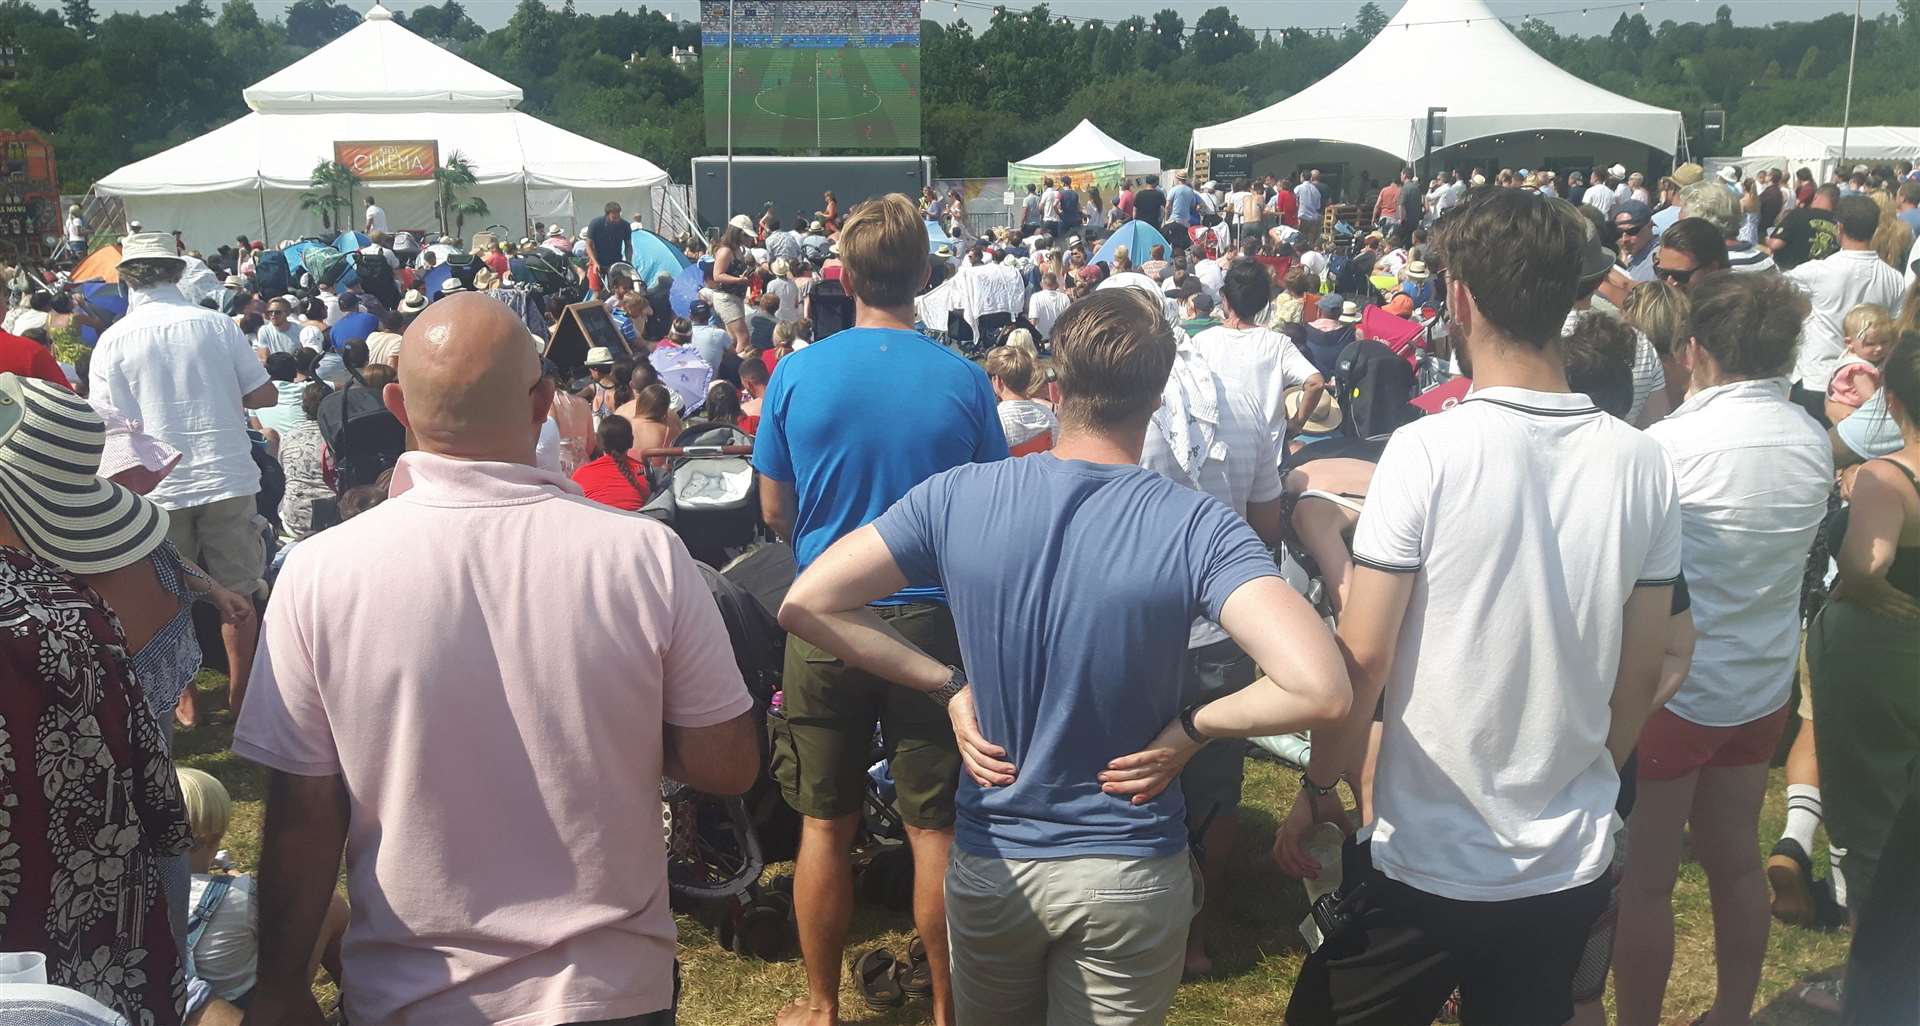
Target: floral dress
300	448
88	799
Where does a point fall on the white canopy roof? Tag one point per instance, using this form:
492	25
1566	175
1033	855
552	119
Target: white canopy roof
279	151
1087	144
1444	53
1864	142
381	66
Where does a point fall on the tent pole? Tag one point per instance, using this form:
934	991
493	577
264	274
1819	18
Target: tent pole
260	190
526	205
1846	114
729	210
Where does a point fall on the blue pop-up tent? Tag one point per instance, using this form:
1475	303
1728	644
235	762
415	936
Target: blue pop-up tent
654	255
687	284
1138	236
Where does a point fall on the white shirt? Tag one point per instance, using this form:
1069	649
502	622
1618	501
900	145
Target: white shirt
227	955
181	370
1241	466
1528	518
1045	307
1648	374
1264	362
1134	279
272	340
1836	284
1050	205
1211	276
375	249
1600	197
1754	473
1622	193
376	220
313	337
76	229
1913	258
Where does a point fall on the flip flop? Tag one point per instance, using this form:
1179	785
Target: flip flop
878	988
916	975
1790	876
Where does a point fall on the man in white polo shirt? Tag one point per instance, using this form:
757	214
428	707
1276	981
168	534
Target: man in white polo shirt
1836	284
1514	575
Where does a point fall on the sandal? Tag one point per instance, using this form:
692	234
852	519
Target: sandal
916	975
1790	875
1821	995
878	988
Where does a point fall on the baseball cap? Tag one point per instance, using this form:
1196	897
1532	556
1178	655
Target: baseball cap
1638	211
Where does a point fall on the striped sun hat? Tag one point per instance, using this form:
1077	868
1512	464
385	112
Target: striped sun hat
50	445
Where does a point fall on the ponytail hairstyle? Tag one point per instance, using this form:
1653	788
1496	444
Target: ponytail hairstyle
622	383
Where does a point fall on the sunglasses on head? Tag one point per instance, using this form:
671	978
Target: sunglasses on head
1677	277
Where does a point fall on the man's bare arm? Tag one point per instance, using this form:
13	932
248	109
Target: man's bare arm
828	607
1643	650
261	398
776	507
722	759
306	830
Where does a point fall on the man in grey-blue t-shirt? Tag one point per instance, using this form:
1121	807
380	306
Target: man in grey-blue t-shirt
1072	602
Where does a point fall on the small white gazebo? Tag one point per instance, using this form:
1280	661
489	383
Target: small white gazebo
1087	145
378	83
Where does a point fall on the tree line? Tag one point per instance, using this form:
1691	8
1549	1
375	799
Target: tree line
110	90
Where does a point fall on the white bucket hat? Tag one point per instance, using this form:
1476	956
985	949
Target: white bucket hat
149	246
50	448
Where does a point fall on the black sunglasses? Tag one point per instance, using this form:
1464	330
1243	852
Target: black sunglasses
1674	276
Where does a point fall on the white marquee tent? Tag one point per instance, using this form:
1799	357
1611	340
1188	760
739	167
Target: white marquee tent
1443	53
1086	145
1792	147
379	82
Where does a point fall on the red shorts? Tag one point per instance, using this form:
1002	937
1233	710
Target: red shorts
1671	747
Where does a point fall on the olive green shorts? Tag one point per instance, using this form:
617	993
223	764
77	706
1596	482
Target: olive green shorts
825	741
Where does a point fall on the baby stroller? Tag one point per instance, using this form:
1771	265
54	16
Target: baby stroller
708	493
717	848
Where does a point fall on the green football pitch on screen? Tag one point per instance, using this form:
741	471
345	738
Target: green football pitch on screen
799	98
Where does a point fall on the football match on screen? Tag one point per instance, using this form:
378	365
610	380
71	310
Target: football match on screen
812	74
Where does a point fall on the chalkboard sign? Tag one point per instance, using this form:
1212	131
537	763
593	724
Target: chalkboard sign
584	326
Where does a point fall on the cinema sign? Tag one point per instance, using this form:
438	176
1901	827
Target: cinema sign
404	160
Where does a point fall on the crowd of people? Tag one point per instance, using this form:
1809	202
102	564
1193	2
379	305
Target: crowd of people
1564	618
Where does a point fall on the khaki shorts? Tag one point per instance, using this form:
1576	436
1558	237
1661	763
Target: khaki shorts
729	306
824	742
222	538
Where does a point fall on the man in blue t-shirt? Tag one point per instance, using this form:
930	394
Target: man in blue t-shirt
849	425
1073	576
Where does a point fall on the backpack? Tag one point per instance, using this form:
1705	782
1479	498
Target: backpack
816	252
376	277
1375	388
271	276
364	437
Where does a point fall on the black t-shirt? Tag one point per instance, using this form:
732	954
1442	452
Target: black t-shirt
612	239
1069	208
1809	235
1148	204
1770	203
1411	200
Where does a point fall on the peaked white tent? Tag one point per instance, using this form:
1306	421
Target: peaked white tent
1817	148
377	83
1454	54
1087	145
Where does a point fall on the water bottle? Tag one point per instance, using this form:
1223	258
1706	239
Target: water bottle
1324	844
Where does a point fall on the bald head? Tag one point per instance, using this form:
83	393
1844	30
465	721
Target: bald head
470	385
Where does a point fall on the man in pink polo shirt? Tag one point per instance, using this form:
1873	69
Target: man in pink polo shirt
480	709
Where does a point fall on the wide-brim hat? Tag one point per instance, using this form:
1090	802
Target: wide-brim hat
1417	270
149	246
1730	175
128	447
413	302
1325	418
50	489
599	356
742	222
1688	173
556	232
1618	170
1349	312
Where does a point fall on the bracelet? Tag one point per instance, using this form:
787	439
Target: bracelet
1307	784
1192	729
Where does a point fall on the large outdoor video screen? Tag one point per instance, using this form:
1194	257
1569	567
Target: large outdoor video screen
813	74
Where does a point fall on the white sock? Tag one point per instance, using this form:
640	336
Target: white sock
1834	855
1803	815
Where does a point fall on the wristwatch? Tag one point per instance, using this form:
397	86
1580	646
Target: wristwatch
954	685
1307	784
1192	729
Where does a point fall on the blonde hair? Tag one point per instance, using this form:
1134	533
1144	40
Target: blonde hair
883	251
1014	367
1661	312
209	807
1112	352
1867	320
783	334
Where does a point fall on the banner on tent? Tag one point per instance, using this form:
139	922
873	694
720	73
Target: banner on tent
1107	175
397	161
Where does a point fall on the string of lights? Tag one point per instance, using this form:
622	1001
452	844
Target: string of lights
1191	32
